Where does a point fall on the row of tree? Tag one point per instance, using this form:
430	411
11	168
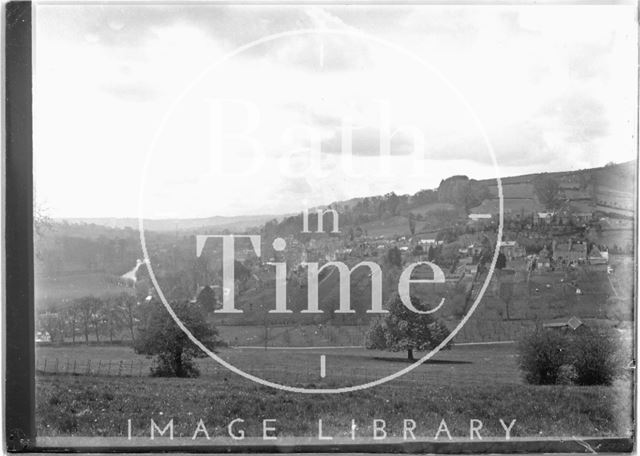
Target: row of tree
105	318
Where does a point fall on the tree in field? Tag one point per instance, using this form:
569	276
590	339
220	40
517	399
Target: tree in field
113	317
128	308
404	330
547	189
71	316
161	337
89	308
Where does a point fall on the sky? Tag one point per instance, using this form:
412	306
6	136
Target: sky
194	111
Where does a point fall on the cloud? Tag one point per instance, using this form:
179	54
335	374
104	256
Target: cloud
574	121
366	143
137	91
553	85
587	60
579	117
296	186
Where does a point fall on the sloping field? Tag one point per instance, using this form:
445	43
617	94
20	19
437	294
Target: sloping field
513	190
511	205
390	227
61	290
433	208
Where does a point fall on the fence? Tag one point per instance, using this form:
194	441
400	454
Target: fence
117	368
432	375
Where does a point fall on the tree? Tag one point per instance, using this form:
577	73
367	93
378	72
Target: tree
207	299
425	197
391	203
70	316
160	336
49	322
401	329
462	192
41	224
394	257
501	261
412	224
89	307
114	317
547	189
127	305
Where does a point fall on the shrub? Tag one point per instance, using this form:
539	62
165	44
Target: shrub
595	358
567	374
169	365
542	353
585	357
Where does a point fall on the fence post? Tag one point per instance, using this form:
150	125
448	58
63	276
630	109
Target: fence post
74	366
56	368
99	366
120	369
140	368
89	367
66	367
45	365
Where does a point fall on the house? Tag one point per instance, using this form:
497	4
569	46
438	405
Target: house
573	323
597	257
512	249
478	217
581	218
570	251
545	257
471	269
542	218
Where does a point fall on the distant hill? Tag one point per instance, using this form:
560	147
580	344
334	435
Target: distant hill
241	222
608	188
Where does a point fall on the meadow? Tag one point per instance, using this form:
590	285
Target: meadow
101	406
465	365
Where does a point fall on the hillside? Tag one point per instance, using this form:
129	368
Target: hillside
609	189
81	259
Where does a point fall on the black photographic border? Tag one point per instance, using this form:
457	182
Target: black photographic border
19	392
19	342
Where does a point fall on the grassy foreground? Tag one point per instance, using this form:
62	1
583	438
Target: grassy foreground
100	406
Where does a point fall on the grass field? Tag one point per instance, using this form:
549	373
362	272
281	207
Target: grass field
100	406
465	365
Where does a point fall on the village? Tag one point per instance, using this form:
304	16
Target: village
542	244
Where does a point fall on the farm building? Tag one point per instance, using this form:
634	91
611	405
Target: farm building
479	217
598	257
570	251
